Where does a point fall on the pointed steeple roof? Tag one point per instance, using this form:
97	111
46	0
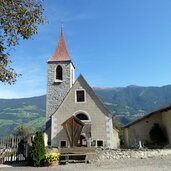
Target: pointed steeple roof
61	51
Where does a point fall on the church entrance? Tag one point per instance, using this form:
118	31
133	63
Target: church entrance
78	130
73	128
86	130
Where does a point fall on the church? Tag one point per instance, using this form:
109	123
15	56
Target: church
75	116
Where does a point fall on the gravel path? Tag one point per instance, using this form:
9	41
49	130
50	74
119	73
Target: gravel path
150	164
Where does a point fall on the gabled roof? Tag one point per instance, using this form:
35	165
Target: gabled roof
91	93
61	51
162	109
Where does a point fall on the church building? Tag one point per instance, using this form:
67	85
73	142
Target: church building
74	114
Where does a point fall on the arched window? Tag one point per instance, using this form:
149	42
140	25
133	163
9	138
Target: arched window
59	73
82	116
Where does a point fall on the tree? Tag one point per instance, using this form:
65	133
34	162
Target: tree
19	19
24	130
38	150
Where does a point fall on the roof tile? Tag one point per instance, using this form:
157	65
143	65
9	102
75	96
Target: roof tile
61	51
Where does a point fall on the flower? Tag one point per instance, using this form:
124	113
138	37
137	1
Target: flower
50	157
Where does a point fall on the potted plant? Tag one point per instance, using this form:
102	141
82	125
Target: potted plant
52	159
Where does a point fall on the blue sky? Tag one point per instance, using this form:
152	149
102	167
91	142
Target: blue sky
113	43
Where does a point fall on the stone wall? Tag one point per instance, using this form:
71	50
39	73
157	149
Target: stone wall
126	153
56	91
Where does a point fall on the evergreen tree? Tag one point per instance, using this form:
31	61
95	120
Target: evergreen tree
38	149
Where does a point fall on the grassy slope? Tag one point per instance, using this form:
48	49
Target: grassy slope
15	112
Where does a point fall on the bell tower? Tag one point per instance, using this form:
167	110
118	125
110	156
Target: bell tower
61	76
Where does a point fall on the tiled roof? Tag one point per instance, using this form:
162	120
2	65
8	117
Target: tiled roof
61	51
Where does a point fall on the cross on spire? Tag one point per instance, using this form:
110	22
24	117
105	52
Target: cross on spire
62	26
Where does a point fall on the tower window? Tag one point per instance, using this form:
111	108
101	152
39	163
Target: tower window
59	73
80	96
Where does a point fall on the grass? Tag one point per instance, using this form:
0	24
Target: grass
4	122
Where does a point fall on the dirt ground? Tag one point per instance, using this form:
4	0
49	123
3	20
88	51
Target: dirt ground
151	164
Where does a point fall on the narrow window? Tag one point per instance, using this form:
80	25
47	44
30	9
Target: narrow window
93	143
63	144
59	73
99	143
80	96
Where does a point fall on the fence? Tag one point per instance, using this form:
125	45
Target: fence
13	148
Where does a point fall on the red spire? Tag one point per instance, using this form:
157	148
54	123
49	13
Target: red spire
61	52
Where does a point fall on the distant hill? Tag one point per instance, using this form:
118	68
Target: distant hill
132	102
14	112
127	103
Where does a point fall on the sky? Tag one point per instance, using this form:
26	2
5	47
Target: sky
112	43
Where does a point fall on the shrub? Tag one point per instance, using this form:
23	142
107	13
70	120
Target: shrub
50	157
38	149
24	130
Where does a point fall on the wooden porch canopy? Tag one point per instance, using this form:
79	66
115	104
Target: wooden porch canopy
73	127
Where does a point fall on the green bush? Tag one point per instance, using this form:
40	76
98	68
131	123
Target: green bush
38	150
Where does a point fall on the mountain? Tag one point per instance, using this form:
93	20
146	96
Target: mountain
132	102
127	103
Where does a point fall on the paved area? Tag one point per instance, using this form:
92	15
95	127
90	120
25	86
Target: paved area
150	164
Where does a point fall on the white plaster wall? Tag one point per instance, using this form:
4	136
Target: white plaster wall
69	107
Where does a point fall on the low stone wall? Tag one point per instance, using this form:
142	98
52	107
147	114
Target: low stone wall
104	154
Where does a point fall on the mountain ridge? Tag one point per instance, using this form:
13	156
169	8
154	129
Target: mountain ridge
126	103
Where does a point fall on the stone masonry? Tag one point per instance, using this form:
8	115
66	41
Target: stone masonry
56	91
109	154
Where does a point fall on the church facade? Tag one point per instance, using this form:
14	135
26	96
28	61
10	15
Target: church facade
74	114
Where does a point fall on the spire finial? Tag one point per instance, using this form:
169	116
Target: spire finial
62	27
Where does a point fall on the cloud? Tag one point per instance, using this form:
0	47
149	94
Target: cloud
20	93
8	94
